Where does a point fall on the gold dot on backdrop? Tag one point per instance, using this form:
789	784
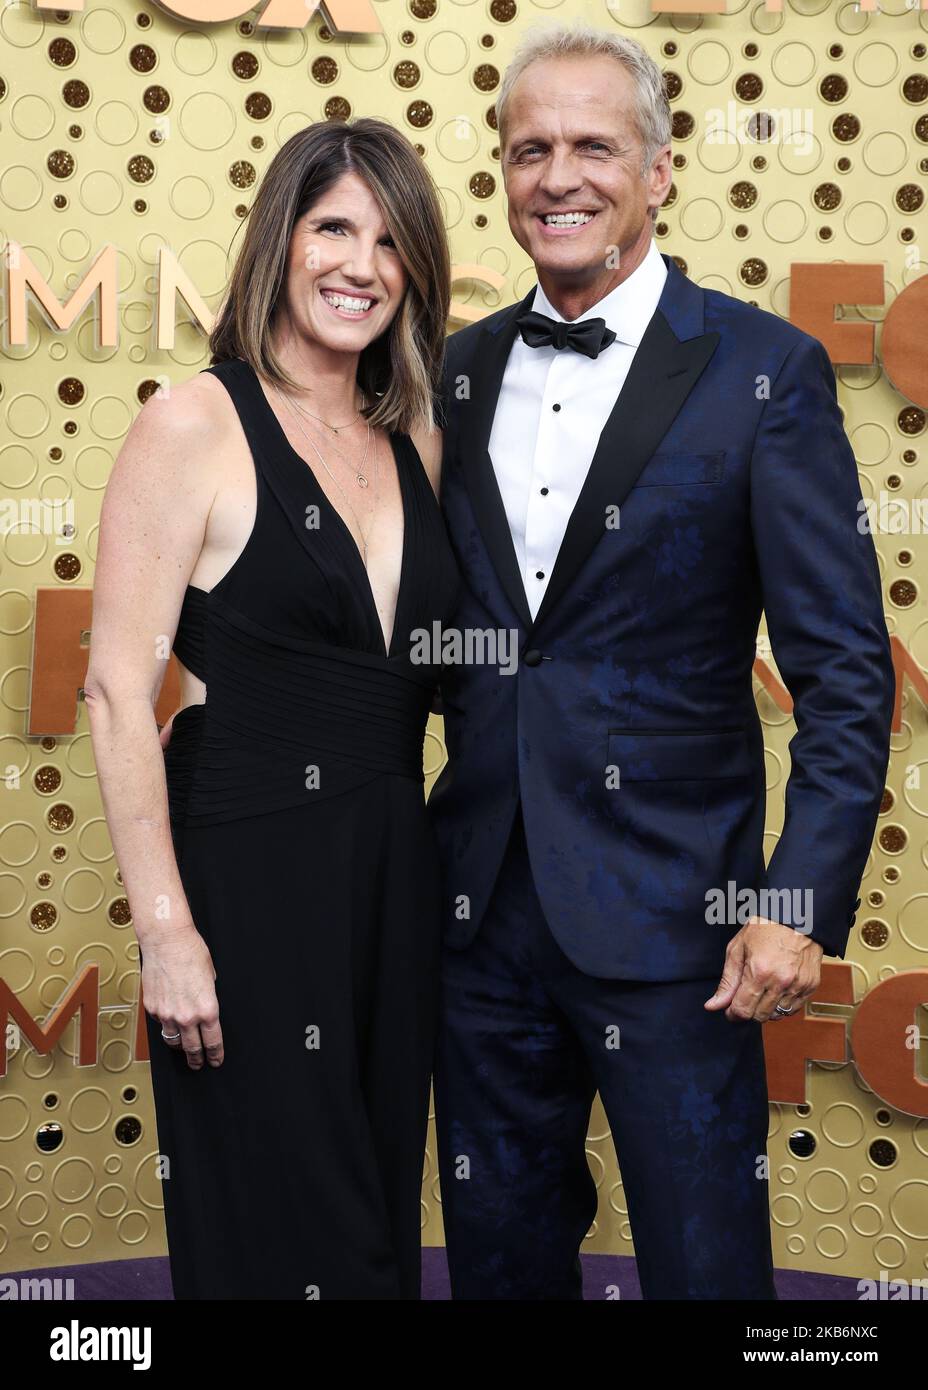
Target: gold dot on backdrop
126	126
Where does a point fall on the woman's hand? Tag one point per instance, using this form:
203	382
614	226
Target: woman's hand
178	990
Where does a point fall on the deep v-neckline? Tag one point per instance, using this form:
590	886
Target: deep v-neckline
367	587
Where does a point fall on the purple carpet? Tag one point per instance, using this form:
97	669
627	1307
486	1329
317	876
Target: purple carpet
116	1280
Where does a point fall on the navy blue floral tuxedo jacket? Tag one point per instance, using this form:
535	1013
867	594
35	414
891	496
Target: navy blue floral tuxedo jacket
630	728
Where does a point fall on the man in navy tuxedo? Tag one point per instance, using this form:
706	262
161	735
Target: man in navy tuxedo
634	469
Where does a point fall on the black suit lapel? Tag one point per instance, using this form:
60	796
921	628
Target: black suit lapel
664	370
486	368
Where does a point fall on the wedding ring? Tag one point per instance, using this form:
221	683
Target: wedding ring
169	1037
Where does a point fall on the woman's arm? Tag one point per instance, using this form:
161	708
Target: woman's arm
152	528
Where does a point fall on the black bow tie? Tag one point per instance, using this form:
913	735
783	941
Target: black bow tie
588	336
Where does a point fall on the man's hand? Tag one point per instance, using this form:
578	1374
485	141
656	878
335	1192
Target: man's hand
767	964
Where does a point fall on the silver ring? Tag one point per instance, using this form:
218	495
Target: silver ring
169	1037
780	1010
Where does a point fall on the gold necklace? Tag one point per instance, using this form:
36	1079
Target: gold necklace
360	476
364	538
334	428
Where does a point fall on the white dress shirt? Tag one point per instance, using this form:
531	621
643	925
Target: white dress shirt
551	411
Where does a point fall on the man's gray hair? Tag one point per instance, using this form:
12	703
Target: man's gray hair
560	40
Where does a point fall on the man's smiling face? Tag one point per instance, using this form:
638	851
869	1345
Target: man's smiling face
572	147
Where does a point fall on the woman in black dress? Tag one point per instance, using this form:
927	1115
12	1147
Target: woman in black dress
275	521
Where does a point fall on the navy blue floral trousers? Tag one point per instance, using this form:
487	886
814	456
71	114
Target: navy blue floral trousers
525	1041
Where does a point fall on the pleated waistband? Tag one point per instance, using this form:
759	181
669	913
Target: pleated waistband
366	709
278	710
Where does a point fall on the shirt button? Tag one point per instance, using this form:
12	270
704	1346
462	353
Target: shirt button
544	492
555	406
539	574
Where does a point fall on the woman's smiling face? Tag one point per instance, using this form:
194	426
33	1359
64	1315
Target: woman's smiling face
345	278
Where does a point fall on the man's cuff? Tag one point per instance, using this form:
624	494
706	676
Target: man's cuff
832	944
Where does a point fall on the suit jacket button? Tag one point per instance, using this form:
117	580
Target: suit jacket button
532	657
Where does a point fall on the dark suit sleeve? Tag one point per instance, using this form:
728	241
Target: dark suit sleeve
822	598
445	424
442	413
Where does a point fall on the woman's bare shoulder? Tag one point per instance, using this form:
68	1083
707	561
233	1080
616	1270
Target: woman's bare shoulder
187	409
179	439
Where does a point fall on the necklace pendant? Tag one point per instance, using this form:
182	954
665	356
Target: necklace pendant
362	481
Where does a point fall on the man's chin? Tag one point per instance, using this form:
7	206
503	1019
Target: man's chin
563	263
558	257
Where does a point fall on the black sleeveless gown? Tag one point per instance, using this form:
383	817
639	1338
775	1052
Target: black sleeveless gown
296	798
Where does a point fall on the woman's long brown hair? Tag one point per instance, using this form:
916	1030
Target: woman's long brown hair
400	372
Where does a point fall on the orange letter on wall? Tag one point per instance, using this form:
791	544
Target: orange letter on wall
905	665
59	663
905	355
347	16
82	997
882	1035
24	276
815	290
791	1042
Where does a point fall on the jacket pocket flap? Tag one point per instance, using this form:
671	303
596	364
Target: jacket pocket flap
650	757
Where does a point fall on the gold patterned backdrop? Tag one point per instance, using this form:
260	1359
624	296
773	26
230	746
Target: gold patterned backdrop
125	126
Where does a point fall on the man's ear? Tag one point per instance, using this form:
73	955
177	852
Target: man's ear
664	155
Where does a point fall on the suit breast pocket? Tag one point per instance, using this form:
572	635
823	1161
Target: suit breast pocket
674	469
